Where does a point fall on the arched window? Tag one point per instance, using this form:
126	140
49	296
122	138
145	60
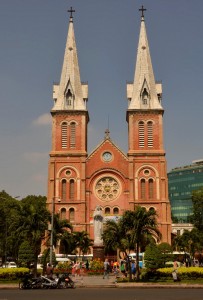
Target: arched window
151	189
143	188
72	134
72	189
150	134
71	214
152	209
69	97
145	97
107	211
63	213
64	135
115	211
141	134
63	190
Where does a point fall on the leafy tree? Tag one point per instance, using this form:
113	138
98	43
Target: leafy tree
132	231
9	212
153	257
82	242
67	243
190	241
140	224
32	223
197	199
166	252
62	229
114	238
25	254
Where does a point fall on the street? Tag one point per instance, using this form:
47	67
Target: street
104	293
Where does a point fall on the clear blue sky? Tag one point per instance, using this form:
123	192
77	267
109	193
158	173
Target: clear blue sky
32	42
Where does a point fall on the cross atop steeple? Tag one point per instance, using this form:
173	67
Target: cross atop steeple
71	11
142	9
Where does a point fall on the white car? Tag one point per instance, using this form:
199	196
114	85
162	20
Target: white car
11	264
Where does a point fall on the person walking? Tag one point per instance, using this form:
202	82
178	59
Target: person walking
49	271
133	269
106	269
123	268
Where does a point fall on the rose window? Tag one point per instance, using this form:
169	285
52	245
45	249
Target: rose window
107	189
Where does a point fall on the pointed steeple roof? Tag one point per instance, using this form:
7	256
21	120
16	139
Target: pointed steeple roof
70	94
144	93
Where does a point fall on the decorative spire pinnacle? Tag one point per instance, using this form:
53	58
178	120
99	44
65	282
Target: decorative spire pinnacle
70	93
142	9
144	93
71	11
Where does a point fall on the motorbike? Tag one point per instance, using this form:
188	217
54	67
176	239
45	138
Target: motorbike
65	281
49	283
30	282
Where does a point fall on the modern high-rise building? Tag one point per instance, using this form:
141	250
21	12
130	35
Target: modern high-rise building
182	181
79	181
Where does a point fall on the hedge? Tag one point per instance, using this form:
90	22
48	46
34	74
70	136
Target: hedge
166	273
12	273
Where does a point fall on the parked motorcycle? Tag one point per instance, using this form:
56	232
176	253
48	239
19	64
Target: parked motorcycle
65	281
30	282
48	283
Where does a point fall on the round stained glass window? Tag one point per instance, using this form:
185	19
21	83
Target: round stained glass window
107	188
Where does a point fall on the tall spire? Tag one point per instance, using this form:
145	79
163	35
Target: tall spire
70	94
144	93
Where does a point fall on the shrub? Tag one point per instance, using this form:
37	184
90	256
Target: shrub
153	257
12	274
64	267
166	273
25	254
96	266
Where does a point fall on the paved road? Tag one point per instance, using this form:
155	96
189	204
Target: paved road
104	293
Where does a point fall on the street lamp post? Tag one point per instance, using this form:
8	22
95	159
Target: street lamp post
52	230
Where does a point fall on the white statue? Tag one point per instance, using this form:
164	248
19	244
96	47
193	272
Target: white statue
98	226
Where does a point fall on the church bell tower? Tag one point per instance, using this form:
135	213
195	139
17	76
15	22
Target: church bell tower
66	174
147	162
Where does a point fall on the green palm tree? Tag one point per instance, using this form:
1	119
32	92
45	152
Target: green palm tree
82	242
115	238
140	224
131	232
32	223
61	226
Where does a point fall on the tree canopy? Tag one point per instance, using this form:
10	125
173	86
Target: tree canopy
132	231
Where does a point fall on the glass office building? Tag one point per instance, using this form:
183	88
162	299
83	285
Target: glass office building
181	182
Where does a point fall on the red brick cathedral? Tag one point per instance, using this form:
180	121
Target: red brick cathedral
108	177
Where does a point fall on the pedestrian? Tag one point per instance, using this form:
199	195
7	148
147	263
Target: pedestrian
133	269
74	269
175	265
123	268
77	268
49	271
87	265
106	269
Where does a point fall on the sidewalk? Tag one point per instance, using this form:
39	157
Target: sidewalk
99	282
94	281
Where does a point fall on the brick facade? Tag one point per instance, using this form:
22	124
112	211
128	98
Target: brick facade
78	181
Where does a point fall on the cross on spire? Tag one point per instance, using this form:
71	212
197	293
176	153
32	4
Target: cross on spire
71	11
142	9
